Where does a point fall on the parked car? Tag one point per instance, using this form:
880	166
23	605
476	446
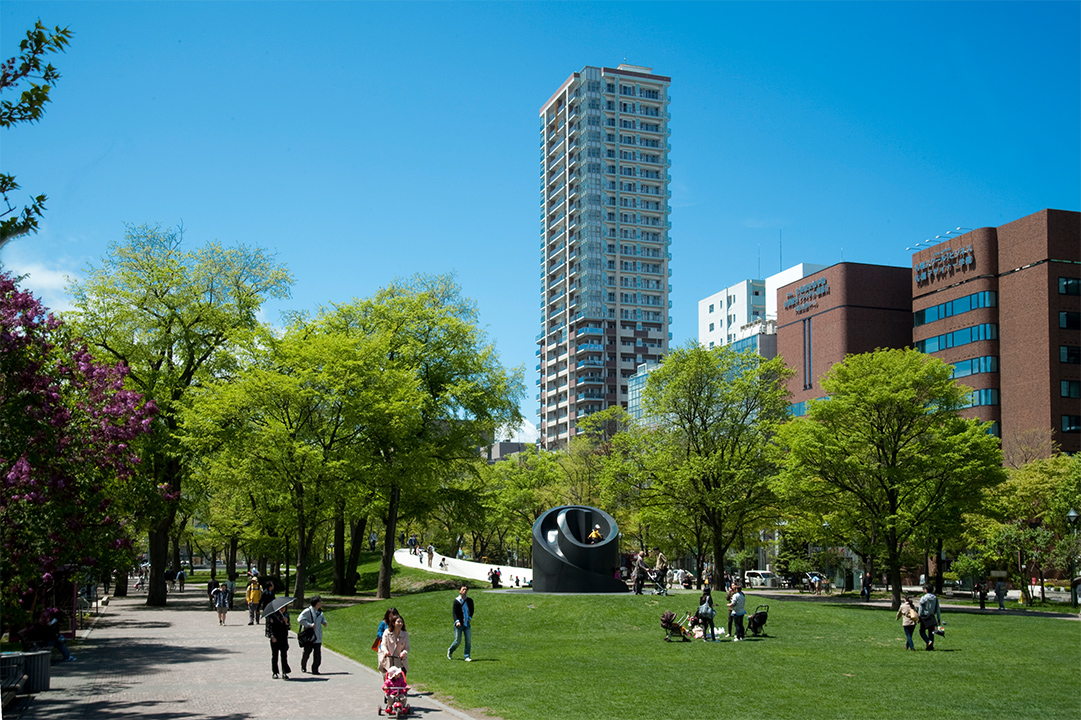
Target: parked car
759	578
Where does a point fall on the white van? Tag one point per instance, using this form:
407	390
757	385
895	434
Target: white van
759	578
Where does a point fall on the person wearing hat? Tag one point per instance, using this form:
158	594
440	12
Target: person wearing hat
254	596
595	536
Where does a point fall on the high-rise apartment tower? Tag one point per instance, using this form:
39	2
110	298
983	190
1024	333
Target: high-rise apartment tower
604	241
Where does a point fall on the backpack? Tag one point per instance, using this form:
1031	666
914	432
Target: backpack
706	612
928	608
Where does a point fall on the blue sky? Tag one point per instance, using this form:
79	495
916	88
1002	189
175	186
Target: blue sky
367	141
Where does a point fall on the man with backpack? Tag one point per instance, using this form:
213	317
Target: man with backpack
930	617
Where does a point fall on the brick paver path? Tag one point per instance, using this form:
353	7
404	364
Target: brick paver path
177	662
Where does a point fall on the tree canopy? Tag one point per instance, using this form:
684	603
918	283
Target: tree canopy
887	456
174	317
26	67
67	435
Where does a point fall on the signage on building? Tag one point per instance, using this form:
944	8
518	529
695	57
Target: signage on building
945	262
806	296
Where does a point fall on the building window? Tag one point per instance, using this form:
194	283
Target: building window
975	366
975	301
1069	286
1069	354
711	327
986	396
1069	320
1071	423
957	338
1070	388
711	307
808	378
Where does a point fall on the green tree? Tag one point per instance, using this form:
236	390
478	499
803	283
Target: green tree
175	319
886	455
459	396
293	420
1021	525
27	66
716	412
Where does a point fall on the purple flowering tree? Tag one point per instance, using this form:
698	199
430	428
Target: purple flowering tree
66	427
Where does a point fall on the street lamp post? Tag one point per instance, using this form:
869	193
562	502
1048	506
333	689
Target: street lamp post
1071	518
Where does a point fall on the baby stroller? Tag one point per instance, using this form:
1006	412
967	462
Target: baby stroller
678	627
757	620
395	694
657	578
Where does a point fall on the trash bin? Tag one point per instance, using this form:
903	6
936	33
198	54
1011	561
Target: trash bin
37	667
11	666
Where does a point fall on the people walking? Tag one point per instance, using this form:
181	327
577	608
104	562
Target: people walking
313	618
431	554
220	597
661	568
277	629
638	573
181	577
737	610
1000	594
394	647
461	610
930	617
909	617
254	596
866	589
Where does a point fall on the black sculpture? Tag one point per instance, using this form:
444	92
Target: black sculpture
566	560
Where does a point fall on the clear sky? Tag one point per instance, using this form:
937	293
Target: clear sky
366	141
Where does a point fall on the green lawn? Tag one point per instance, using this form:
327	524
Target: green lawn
546	657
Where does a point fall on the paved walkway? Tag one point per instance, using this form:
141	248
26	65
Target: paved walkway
177	662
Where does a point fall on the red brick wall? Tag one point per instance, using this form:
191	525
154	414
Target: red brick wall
867	307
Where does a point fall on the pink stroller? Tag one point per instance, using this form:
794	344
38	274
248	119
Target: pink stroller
395	694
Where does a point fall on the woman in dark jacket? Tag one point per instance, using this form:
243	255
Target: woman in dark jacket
707	599
277	629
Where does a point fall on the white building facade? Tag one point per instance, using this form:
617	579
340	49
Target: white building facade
745	314
604	241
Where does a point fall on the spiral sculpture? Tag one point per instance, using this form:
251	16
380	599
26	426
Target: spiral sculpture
565	561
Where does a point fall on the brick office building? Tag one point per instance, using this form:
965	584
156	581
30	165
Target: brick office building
1003	305
844	308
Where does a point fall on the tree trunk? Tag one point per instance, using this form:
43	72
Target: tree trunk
230	564
191	557
120	587
356	543
175	562
213	563
304	545
158	552
386	562
938	567
338	585
260	564
893	557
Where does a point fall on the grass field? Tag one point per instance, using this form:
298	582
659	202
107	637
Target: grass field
545	657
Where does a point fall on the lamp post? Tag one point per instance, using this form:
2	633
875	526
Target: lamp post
1071	519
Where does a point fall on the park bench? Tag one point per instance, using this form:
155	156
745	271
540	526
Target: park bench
13	678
